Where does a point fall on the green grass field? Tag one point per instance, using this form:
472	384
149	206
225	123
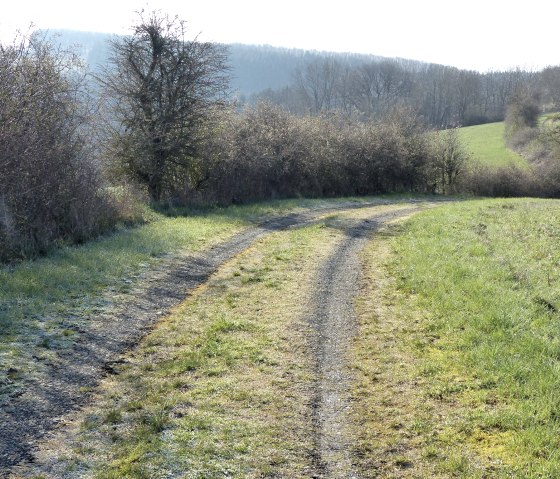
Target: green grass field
487	146
476	290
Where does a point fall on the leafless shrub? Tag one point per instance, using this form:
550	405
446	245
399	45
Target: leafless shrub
49	187
509	181
267	153
522	113
521	138
448	162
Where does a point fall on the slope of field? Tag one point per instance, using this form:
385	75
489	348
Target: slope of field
486	144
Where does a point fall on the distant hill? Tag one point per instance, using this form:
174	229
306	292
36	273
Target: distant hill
92	47
366	85
258	67
254	68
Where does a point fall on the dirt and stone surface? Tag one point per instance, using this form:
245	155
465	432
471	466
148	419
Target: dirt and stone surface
33	413
334	325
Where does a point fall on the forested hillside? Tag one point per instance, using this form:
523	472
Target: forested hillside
254	68
367	85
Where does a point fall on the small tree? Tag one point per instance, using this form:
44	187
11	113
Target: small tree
522	112
449	159
549	136
317	82
162	91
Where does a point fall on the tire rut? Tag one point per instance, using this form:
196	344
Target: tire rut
333	326
36	409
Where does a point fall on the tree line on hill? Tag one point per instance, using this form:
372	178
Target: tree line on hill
253	68
159	127
443	96
307	82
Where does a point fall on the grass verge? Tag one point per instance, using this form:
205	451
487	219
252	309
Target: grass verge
458	363
45	303
389	413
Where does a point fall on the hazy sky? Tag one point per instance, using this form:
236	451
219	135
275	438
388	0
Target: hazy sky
474	34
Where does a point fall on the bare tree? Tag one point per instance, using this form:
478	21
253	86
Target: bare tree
550	84
380	86
317	82
163	90
345	90
449	160
368	88
522	112
466	94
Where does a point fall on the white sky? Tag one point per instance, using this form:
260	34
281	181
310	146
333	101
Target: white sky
473	34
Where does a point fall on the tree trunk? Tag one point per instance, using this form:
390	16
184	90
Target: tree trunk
155	184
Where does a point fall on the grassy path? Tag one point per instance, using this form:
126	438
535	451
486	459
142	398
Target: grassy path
74	366
35	409
334	327
428	349
224	386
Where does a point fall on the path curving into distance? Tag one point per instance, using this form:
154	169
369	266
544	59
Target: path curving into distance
35	411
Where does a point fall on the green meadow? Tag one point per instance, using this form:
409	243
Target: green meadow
476	286
487	146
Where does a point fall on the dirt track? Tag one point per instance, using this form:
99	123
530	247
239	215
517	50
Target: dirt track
27	417
334	325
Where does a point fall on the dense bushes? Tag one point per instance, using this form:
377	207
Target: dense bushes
266	152
539	142
541	181
508	181
49	188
